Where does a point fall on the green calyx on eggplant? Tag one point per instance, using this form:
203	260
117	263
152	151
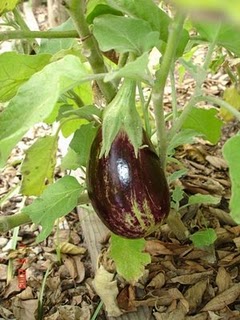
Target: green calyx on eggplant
130	194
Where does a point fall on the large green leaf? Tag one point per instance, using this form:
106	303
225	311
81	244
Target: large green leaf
146	10
149	11
228	36
231	153
82	141
38	166
124	34
35	100
56	201
205	122
129	257
17	69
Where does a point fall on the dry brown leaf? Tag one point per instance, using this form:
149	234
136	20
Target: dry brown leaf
223	280
24	309
156	247
69	248
80	269
3	271
107	290
74	313
223	299
200	316
53	283
194	294
191	278
237	242
6	314
26	294
217	162
11	288
126	299
70	265
158	281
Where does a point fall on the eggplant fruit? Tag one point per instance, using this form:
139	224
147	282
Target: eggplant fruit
130	194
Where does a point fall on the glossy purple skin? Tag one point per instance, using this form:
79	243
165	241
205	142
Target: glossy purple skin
121	185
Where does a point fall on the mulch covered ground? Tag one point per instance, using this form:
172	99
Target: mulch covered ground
181	282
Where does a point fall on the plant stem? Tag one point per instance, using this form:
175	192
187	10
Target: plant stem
32	44
27	34
76	9
173	94
9	222
197	96
159	85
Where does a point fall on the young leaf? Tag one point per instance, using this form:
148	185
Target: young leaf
101	9
7	5
136	70
232	156
56	201
232	96
185	136
203	237
129	257
71	160
16	69
38	166
203	198
31	105
124	34
205	122
82	141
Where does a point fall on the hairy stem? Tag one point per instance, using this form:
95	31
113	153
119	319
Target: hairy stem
27	34
9	222
159	85
76	9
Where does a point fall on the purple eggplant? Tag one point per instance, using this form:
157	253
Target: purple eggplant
130	194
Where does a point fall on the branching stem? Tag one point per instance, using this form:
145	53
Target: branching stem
159	85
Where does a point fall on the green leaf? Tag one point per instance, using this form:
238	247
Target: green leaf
17	69
122	113
146	10
82	141
185	136
89	113
149	11
205	122
177	196
232	156
53	46
203	237
7	5
129	257
56	201
71	160
38	166
124	34
101	9
135	70
227	37
203	198
36	99
177	175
